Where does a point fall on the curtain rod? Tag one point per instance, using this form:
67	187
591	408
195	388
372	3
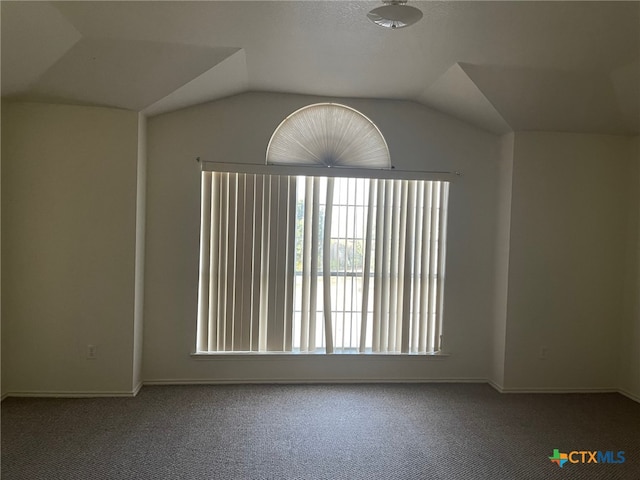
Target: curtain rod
351	172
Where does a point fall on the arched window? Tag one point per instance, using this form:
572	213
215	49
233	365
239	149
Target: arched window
324	249
328	134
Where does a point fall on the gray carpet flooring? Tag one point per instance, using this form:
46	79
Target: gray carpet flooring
433	431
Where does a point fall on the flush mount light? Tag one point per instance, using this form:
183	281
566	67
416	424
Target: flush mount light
394	14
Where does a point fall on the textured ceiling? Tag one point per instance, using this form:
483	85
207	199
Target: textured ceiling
558	66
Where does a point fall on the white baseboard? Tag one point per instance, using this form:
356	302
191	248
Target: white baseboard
496	386
557	390
280	381
630	395
283	381
72	394
136	390
501	389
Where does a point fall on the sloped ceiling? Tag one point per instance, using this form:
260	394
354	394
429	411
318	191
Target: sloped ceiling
502	66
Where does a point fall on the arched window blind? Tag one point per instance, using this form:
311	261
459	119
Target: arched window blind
331	135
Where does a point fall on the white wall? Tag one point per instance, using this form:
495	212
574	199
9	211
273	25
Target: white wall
141	211
237	129
502	251
68	248
543	249
567	260
2	389
629	342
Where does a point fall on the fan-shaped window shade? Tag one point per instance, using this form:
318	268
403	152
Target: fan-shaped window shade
328	134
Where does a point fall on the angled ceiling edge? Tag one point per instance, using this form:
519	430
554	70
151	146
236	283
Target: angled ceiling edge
36	31
227	78
130	74
456	94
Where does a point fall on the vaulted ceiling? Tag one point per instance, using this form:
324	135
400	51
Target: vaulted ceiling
502	66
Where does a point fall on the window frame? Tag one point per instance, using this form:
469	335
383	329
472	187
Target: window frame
318	172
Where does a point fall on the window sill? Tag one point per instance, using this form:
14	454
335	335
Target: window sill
282	355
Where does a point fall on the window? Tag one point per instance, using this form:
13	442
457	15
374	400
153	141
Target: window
378	244
300	259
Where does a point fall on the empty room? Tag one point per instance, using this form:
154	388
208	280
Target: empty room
320	240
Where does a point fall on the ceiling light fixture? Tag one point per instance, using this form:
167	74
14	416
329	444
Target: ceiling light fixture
394	14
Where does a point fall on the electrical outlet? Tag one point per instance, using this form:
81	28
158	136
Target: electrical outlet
91	352
544	353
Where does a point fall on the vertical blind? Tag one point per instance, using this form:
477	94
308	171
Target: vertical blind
321	264
246	262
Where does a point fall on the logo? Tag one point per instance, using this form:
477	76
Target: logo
558	458
586	456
